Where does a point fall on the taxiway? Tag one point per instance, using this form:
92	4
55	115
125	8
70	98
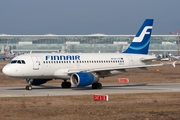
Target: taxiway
107	89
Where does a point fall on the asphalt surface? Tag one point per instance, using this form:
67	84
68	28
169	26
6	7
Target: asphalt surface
106	89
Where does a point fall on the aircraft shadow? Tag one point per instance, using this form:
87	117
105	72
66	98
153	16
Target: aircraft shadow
109	86
81	88
36	88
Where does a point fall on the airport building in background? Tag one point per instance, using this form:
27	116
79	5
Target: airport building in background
160	44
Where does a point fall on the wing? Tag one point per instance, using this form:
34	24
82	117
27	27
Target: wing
119	68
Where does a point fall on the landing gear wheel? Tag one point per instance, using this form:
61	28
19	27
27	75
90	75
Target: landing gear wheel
99	86
28	87
66	85
96	86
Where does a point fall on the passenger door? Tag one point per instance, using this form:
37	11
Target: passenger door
36	62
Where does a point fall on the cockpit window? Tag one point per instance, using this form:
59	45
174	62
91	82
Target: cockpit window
23	62
13	61
17	62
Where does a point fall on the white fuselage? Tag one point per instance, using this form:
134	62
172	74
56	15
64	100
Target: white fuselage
57	65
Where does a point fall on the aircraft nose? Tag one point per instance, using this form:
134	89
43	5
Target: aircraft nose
7	70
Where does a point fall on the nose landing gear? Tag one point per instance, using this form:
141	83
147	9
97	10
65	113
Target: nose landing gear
29	86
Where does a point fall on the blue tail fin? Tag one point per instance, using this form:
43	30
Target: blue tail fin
141	41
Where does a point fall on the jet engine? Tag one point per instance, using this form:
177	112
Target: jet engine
83	79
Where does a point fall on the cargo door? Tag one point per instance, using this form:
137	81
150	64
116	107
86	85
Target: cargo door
130	60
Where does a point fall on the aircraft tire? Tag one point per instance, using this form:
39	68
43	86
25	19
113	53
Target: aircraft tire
28	87
99	86
66	85
96	86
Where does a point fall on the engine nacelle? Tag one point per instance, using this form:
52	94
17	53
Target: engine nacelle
83	79
37	82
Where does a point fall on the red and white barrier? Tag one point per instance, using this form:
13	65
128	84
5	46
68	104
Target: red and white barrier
100	97
123	80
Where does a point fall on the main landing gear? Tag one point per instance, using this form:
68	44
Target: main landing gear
66	84
96	85
29	86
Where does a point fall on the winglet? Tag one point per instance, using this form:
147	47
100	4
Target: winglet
170	63
174	63
141	41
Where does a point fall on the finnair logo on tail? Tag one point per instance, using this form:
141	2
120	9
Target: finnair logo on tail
140	38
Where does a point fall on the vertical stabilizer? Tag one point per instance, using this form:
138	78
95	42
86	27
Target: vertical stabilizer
141	41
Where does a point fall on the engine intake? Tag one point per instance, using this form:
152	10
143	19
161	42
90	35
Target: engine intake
83	79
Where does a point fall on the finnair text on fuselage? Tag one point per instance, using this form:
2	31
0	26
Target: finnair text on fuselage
62	57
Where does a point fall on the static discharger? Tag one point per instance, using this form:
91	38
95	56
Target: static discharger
97	97
123	80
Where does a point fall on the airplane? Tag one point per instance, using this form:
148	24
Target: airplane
175	57
82	69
